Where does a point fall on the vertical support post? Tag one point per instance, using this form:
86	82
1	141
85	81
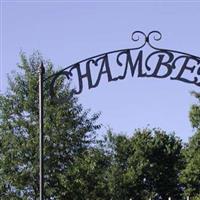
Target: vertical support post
41	129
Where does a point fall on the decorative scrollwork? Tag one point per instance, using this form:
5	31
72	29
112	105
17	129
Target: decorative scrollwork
156	36
136	37
139	35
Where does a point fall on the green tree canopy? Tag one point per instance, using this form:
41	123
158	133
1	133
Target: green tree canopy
146	165
190	176
69	132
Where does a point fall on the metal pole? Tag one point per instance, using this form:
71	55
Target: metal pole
41	128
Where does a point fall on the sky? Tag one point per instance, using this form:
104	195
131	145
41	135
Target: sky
68	31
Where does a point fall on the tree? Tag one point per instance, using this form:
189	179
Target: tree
146	165
190	175
90	174
69	132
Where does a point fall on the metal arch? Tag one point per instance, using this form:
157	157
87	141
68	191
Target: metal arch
137	37
147	40
140	40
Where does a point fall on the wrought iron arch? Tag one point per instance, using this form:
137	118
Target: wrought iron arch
166	59
138	66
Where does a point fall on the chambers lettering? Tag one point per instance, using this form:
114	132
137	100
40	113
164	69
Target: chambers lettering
117	66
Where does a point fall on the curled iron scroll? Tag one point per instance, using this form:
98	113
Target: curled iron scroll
146	39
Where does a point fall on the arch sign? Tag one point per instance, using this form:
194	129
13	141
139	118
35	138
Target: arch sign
143	61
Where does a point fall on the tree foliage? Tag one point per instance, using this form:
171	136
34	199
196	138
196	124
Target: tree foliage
190	175
69	132
146	165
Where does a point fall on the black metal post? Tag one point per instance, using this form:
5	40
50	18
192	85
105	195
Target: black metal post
41	129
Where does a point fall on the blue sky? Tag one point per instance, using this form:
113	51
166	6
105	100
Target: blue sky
66	32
